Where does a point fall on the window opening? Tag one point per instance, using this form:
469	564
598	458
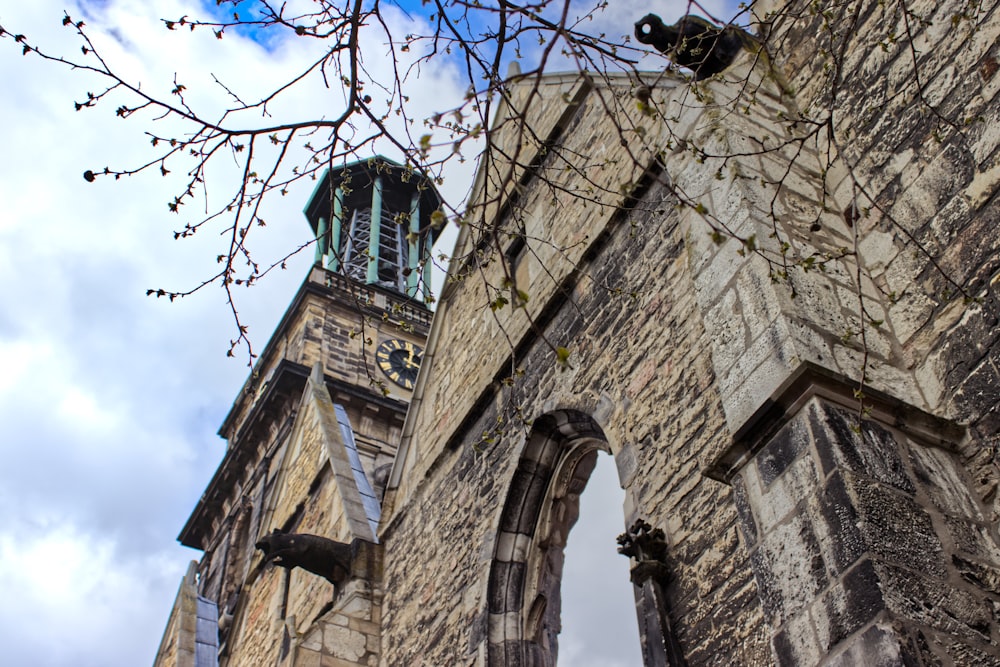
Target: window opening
392	254
356	244
599	626
524	597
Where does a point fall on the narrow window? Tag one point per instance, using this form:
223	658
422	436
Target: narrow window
598	602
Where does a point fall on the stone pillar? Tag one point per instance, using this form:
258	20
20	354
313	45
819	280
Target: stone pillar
647	546
866	543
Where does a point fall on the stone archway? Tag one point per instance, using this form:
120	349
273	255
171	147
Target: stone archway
541	507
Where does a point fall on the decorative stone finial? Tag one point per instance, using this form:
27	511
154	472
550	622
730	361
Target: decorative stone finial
648	546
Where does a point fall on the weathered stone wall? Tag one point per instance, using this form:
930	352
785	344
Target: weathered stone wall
798	244
856	528
257	628
312	491
349	636
480	338
918	134
640	367
277	472
338	323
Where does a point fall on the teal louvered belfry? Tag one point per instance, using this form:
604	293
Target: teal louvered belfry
372	221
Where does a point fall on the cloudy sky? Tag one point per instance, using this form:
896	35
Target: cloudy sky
110	400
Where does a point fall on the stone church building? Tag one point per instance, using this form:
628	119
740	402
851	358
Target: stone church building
770	294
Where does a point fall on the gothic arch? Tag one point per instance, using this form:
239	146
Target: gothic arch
542	505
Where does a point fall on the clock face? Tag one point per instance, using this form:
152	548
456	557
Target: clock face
399	360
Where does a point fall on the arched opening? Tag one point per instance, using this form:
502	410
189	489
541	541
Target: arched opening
542	505
599	627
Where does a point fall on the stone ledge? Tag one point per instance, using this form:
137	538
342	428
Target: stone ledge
809	380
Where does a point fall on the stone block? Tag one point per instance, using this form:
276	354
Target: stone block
931	190
797	644
767	363
726	326
811	342
835	521
844	442
335	661
983	577
344	643
960	653
882	376
979	390
748	527
781	452
877	249
896	528
478	631
714	266
788	568
817	301
625	461
972	538
878	646
760	302
507	654
307	658
512	546
506	593
313	640
848	606
368	627
787	493
529	483
930	379
935	603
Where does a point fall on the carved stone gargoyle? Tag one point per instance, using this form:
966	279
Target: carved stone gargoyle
648	546
694	42
319	555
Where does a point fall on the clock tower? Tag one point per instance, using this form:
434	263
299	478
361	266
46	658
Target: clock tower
312	435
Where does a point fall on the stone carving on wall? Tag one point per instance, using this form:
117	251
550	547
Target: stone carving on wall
319	555
693	42
647	546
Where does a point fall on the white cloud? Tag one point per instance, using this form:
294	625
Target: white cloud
71	599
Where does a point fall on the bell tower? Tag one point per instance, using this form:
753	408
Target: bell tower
312	435
372	221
